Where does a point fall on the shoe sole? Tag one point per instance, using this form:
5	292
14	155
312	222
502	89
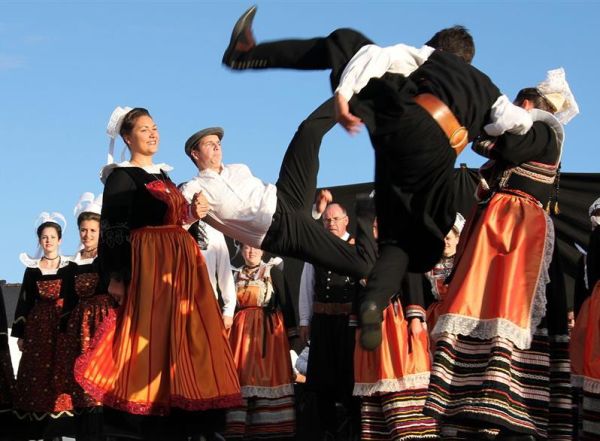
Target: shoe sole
246	17
370	334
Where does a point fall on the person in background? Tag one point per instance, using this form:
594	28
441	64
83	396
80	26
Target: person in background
91	304
263	322
328	319
442	270
585	340
45	291
7	379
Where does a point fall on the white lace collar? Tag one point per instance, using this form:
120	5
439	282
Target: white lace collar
80	260
34	262
153	169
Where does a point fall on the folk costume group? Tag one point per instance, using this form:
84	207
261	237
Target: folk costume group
127	338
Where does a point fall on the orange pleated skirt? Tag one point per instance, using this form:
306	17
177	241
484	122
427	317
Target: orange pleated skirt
499	284
585	343
401	362
262	353
166	347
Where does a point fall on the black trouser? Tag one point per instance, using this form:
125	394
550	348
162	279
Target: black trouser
330	369
334	52
294	232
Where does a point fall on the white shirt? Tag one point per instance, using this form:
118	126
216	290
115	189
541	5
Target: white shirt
372	61
307	291
219	268
242	205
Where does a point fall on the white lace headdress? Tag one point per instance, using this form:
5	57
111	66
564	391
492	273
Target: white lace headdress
557	91
459	222
44	216
88	203
113	128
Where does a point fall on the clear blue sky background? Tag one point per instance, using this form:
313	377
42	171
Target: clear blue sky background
64	66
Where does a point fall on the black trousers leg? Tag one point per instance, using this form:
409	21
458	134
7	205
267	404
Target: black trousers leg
297	181
386	277
293	232
331	52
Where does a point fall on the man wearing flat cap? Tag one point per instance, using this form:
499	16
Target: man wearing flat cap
277	218
212	242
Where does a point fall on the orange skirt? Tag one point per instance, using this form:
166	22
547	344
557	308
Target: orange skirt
262	354
401	362
585	344
499	284
166	347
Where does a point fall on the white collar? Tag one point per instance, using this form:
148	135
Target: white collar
80	260
33	262
152	169
210	171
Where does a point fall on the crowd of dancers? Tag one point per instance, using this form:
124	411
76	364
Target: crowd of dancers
417	338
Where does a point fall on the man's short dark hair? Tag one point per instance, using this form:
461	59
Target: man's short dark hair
456	40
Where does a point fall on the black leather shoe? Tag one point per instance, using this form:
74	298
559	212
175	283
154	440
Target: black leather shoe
370	325
242	38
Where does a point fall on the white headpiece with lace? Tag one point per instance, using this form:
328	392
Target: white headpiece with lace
459	222
44	216
557	91
88	203
595	219
113	128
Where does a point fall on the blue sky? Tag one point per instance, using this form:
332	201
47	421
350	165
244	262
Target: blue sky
64	66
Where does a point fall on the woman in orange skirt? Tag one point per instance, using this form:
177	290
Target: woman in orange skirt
585	341
165	351
392	380
261	351
499	367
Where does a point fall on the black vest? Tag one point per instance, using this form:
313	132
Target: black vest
334	288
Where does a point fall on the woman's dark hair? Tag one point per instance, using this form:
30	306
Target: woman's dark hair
86	216
129	120
54	225
534	95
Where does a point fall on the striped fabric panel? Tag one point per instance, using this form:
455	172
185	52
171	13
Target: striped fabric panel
396	416
560	425
590	416
493	382
262	418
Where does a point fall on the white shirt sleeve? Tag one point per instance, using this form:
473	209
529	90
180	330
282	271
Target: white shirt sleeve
307	290
506	117
223	271
189	189
372	61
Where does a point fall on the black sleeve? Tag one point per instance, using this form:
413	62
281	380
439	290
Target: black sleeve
24	304
3	323
593	259
283	299
413	296
517	149
115	250
580	290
